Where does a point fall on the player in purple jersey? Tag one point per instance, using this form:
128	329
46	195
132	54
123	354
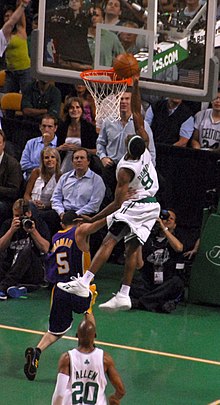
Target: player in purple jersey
64	261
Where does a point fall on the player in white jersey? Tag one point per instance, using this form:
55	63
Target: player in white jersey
138	212
81	378
8	27
130	218
206	133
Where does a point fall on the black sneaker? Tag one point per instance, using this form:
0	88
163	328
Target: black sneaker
30	368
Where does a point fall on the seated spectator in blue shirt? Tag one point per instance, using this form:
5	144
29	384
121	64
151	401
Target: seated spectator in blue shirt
31	154
171	121
80	190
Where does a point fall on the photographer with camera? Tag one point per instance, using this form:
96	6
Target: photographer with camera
23	241
159	285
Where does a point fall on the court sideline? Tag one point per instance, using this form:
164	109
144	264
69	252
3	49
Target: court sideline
163	358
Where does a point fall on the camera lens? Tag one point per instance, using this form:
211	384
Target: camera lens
27	223
164	214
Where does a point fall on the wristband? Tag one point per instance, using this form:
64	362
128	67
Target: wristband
23	5
165	229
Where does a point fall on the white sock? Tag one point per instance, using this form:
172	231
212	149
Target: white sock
87	277
125	289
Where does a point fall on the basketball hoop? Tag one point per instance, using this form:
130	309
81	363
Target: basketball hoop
106	89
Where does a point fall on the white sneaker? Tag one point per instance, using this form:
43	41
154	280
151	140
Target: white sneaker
75	287
119	302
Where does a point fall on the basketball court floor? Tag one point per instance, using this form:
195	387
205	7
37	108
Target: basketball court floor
167	359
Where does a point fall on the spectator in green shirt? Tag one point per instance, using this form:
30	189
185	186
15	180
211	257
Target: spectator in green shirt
39	98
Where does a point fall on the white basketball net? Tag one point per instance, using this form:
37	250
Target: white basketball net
106	89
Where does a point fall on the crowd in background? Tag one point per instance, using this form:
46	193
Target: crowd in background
63	146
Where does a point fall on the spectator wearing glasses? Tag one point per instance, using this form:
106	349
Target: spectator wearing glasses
31	154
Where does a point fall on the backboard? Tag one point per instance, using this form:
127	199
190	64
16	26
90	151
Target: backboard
175	52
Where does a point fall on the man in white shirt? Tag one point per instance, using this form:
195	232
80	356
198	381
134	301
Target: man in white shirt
7	28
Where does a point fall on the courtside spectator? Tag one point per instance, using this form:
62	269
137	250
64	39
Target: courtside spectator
80	190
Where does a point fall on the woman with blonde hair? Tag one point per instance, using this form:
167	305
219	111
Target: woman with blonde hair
43	179
41	185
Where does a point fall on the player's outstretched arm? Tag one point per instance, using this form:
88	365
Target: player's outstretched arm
121	192
9	25
83	232
136	111
115	380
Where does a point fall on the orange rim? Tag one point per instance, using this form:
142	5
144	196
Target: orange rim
90	76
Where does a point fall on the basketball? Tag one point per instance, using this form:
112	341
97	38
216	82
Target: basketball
126	65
